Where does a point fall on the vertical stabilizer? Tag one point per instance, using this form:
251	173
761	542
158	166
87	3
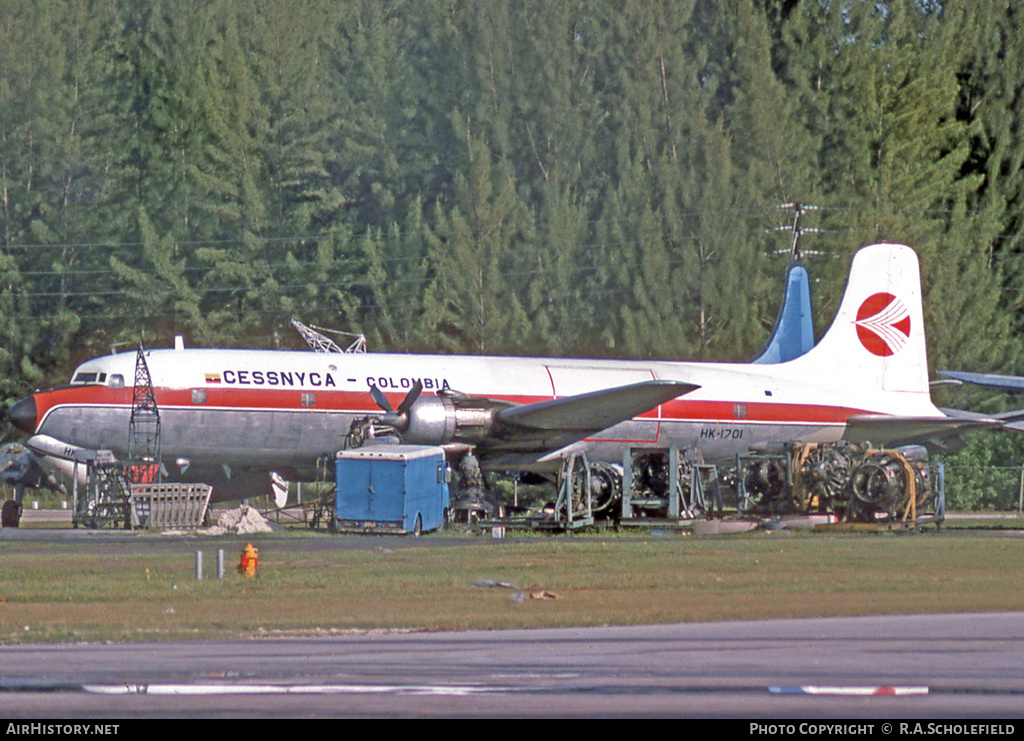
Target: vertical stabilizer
793	335
876	342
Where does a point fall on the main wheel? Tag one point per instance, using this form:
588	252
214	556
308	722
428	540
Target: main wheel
11	514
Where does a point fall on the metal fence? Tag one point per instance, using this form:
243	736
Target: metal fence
985	488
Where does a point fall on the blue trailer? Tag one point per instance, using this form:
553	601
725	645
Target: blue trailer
391	488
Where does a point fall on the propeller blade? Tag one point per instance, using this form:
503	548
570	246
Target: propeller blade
410	398
398	419
378	396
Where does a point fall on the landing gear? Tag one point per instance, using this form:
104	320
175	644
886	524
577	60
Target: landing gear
11	516
20	469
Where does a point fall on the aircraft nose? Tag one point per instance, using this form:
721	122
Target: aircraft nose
23	414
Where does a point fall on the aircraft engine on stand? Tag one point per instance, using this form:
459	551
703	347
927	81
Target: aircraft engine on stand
886	484
847	480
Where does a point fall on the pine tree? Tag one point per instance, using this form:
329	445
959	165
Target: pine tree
17	321
165	41
396	279
470	303
240	287
686	266
64	165
991	40
384	151
771	117
558	139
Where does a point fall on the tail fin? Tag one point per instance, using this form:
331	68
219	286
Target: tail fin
876	342
793	335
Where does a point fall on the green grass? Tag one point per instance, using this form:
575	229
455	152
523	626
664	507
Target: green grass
125	590
995	521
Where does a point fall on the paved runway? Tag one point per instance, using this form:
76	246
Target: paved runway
972	666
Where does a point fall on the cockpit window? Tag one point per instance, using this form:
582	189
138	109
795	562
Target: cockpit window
92	377
95	378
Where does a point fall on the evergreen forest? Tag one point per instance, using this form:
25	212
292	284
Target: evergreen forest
597	178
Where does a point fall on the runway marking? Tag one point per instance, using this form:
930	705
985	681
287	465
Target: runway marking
285	689
856	691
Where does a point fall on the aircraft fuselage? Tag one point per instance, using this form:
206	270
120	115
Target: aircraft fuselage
281	410
262	410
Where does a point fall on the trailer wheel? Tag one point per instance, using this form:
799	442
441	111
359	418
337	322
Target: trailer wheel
417	530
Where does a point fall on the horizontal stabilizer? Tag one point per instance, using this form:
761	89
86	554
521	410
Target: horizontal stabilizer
1012	420
594	411
936	433
993	380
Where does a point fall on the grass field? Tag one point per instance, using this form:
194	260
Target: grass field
122	588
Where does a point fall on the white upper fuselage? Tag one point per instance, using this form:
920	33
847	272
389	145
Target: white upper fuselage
284	409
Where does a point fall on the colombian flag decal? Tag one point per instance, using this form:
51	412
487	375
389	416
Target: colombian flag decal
213	377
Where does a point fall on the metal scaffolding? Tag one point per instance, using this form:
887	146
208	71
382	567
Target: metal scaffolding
144	464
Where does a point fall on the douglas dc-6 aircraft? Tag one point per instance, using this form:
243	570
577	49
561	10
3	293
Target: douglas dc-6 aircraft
231	417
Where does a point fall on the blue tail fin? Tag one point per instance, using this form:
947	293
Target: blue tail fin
794	330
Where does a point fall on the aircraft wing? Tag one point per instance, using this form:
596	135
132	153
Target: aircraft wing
1013	420
993	380
940	434
584	414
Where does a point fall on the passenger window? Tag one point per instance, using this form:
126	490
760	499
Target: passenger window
308	399
116	381
198	396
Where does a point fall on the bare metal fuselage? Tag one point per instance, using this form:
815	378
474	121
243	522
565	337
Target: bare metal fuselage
283	410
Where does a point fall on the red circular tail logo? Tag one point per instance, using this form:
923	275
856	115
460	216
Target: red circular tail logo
883	324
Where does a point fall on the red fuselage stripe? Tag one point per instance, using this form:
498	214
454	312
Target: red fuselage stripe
359	402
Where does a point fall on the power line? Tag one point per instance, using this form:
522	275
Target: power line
351	237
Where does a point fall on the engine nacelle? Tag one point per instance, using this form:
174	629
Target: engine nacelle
439	420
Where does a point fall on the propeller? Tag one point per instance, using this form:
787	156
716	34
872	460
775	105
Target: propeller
378	396
399	419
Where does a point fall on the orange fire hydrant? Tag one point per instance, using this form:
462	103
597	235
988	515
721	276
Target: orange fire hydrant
247	565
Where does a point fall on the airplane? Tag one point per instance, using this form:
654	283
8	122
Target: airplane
991	380
230	417
19	468
1012	384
